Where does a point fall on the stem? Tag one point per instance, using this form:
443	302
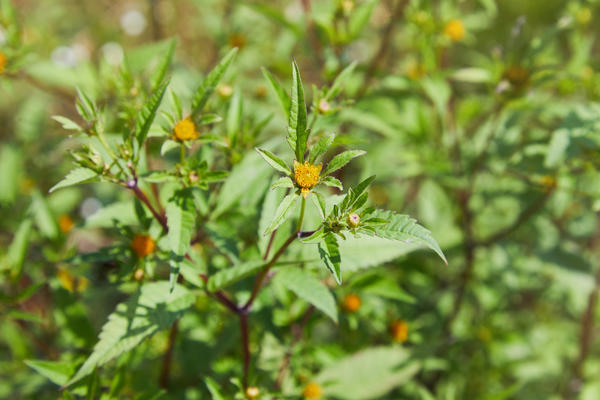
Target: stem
165	371
144	199
182	153
301	218
245	346
586	337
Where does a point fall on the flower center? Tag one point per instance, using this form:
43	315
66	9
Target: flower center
185	130
306	175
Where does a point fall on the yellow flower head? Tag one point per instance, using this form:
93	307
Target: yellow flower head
455	30
65	223
70	282
185	130
252	392
306	176
2	62
142	245
352	302
312	391
399	331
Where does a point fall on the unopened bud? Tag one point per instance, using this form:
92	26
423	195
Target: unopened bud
353	220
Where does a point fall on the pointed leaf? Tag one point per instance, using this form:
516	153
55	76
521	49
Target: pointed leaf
210	82
342	159
274	161
163	65
333	182
297	133
405	229
329	251
321	147
339	81
151	309
148	113
283	212
181	223
75	177
282	96
309	288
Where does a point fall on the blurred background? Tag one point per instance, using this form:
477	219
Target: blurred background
480	119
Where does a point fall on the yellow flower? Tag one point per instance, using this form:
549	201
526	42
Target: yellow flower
65	223
399	331
306	176
352	302
252	392
455	30
142	245
2	62
185	130
312	391
70	282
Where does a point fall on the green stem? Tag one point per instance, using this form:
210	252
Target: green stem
182	153
301	218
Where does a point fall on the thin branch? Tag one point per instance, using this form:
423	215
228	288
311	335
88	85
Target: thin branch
162	220
165	371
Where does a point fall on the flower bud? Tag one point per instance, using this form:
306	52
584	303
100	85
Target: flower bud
353	220
252	392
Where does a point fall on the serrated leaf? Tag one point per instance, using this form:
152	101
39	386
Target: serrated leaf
230	275
329	251
309	288
75	177
297	133
66	123
149	310
320	147
319	201
210	82
56	371
274	161
284	182
181	222
342	159
405	229
282	96
168	145
283	212
148	112
163	65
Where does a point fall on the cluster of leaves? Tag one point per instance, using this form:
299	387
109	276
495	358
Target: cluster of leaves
201	266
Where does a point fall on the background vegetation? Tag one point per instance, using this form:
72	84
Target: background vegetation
479	118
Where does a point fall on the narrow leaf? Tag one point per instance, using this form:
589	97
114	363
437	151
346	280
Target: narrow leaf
210	82
75	177
229	276
283	212
321	147
339	81
181	223
163	65
282	96
342	159
18	248
274	161
329	251
148	113
333	182
297	133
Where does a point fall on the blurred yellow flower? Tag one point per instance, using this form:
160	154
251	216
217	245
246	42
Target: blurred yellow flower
399	331
2	62
185	130
312	391
65	223
306	176
70	282
351	302
455	30
142	245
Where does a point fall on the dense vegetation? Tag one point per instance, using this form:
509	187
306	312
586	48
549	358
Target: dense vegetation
334	199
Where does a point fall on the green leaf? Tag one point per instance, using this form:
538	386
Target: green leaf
297	133
405	229
368	374
342	159
284	181
148	112
11	171
319	201
149	310
66	123
309	288
229	276
56	371
234	117
336	86
274	161
329	251
283	212
18	248
320	147
210	82
75	177
213	388
360	17
333	182
42	216
163	65
181	220
282	96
